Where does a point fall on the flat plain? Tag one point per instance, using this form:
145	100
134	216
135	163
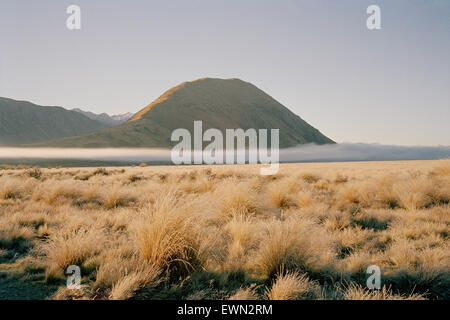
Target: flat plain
227	232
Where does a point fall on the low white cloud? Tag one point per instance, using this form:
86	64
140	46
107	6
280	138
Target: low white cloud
362	152
303	153
106	154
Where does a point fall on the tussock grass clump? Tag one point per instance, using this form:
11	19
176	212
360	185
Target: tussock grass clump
50	191
357	292
125	287
363	193
10	188
236	196
165	234
414	193
304	198
134	178
373	219
292	286
15	237
442	169
116	197
295	243
279	195
245	294
43	231
100	172
243	233
35	173
114	265
197	186
310	177
336	221
340	179
67	248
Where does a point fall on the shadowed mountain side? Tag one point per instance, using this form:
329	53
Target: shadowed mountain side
143	133
221	104
23	123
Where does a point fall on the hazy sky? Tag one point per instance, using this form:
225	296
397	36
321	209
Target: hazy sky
318	58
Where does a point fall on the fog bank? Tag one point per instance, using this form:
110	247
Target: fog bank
303	153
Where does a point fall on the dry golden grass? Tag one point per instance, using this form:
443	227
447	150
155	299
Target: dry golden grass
295	243
292	286
125	287
357	292
244	294
10	188
164	232
225	232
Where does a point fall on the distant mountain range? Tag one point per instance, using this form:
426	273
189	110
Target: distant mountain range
122	117
106	119
23	123
219	103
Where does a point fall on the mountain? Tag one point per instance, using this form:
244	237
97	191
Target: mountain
221	104
103	117
106	119
122	117
23	122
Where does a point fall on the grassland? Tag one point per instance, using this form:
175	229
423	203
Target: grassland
226	232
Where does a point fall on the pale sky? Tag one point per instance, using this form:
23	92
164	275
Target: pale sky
389	86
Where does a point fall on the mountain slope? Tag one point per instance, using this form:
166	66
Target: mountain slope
22	123
221	104
106	119
122	116
102	118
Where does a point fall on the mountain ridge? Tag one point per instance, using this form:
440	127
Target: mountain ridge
219	103
105	118
23	123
